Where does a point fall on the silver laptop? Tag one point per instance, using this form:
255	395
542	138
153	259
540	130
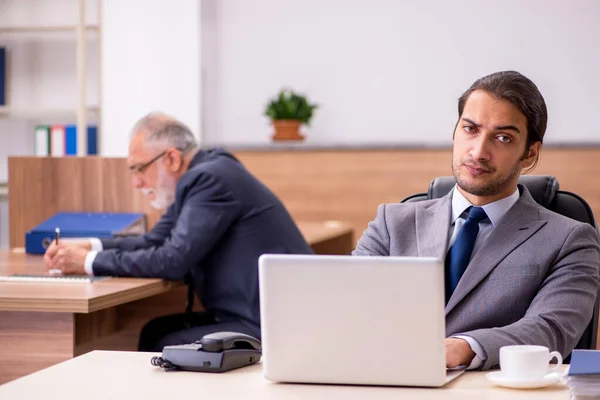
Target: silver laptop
353	320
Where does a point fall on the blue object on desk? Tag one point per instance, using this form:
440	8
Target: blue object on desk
76	225
585	362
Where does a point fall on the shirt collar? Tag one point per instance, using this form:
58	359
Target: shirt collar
495	211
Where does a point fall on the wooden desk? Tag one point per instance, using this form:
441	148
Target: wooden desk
128	375
42	324
328	237
45	323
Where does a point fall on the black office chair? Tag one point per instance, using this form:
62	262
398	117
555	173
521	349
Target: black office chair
545	191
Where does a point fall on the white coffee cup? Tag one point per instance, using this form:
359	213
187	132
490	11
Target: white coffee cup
527	363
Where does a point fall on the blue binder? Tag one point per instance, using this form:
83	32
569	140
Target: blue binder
76	225
71	140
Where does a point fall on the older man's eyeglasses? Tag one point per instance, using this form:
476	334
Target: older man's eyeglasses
139	168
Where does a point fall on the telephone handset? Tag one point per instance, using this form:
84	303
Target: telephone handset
229	340
216	352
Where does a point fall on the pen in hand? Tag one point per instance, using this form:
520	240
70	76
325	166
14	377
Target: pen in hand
56	237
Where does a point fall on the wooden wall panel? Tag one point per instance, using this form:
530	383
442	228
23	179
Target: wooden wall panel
345	185
42	186
349	185
33	198
73	190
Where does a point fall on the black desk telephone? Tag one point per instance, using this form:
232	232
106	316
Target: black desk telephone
216	352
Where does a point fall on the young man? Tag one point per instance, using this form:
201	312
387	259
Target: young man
516	273
219	219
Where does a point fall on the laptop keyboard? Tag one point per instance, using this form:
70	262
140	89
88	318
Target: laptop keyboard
50	278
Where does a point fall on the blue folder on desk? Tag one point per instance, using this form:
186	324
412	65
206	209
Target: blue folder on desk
585	362
74	224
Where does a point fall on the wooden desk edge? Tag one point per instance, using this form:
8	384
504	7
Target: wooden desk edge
127	296
44	305
472	384
85	306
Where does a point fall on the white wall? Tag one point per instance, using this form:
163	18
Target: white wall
44	12
4	222
42	71
150	62
391	71
42	75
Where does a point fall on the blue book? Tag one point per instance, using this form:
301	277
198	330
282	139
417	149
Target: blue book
83	225
71	140
2	76
585	362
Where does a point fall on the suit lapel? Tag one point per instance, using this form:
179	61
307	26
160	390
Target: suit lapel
432	225
519	224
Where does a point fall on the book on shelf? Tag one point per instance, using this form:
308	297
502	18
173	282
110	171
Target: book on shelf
57	140
71	140
61	140
42	140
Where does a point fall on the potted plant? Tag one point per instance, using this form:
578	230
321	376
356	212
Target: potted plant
288	111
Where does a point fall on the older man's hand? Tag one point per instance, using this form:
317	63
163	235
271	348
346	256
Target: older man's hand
69	257
53	248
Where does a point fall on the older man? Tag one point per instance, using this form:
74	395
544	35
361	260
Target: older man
219	219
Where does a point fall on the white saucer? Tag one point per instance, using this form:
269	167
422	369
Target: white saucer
499	379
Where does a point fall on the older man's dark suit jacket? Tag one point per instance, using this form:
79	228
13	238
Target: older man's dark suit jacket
222	220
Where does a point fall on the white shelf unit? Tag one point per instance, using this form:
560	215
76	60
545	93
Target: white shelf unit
24	112
80	31
45	28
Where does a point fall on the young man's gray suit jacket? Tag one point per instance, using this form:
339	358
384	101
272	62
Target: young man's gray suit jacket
534	281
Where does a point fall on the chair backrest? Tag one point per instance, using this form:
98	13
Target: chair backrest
545	191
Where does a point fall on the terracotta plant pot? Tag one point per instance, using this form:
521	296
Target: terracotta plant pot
287	129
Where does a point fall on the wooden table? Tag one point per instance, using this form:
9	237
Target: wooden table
45	323
42	324
106	375
328	237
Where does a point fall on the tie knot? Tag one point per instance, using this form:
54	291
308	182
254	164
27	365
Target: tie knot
477	213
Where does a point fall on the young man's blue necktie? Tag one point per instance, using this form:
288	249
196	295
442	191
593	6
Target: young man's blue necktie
460	252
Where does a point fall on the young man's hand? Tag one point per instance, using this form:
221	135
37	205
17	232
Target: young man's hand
458	352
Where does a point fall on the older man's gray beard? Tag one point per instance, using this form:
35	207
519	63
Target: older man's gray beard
162	199
164	191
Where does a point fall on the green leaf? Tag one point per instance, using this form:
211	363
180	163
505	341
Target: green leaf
290	105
